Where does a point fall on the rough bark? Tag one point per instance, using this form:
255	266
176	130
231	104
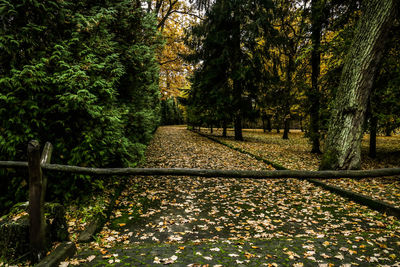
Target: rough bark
343	143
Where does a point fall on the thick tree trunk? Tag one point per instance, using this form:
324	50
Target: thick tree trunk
343	143
314	94
286	129
372	136
238	127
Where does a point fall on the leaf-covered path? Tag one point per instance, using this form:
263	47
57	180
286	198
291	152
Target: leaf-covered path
226	222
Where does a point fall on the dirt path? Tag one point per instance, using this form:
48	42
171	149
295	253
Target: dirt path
230	222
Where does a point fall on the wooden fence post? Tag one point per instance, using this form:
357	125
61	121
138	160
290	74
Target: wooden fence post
45	159
37	234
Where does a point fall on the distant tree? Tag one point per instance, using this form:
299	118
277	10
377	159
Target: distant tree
224	83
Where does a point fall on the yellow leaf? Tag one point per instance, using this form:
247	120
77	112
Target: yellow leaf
218	229
382	245
181	248
122	224
248	255
352	252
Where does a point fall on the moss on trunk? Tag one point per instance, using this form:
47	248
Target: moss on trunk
343	143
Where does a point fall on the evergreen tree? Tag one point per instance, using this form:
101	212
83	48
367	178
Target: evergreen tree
225	83
82	75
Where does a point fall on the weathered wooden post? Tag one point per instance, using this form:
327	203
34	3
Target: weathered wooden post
45	159
37	234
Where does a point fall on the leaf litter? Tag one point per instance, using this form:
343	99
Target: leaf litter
216	221
295	154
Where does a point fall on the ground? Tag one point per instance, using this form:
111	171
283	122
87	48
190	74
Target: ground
186	221
295	154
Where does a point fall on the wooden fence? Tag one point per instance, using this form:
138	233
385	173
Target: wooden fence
37	181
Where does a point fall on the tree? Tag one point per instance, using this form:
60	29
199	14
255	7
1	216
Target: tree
317	10
226	42
283	64
82	75
343	143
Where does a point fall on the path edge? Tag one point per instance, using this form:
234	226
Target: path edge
68	249
63	251
373	204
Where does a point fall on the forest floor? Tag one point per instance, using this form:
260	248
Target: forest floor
295	154
186	221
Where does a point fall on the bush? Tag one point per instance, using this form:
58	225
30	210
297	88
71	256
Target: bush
82	75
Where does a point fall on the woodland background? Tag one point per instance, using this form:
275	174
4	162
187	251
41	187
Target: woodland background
96	78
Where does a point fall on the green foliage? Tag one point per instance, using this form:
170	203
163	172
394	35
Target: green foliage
386	95
226	44
82	75
170	112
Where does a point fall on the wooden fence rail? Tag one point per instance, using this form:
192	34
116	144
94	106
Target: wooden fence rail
276	174
38	182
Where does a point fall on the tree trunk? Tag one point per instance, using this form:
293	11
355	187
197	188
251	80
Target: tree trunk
236	66
263	124
301	125
289	72
314	94
372	136
343	143
388	130
269	127
238	127
286	129
211	129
